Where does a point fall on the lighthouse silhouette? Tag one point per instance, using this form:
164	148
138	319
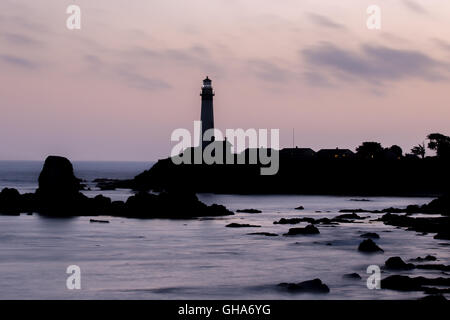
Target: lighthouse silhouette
207	113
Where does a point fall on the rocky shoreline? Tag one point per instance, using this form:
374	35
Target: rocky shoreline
59	195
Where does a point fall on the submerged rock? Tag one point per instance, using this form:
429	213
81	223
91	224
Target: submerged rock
370	235
434	298
98	221
310	286
405	283
309	229
249	211
369	246
294	220
439	267
444	235
351	216
241	225
267	234
396	263
354	276
427	258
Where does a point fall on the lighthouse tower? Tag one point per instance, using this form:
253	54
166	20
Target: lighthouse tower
207	114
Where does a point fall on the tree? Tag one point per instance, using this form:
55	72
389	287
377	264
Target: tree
419	150
396	150
369	150
440	144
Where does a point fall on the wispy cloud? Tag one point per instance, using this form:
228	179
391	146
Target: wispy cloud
17	61
324	21
20	39
414	6
140	81
268	71
194	56
374	64
442	44
124	72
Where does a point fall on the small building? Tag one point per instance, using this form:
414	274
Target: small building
252	155
335	154
297	153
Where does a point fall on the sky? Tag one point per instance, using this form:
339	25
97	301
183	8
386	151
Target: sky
118	87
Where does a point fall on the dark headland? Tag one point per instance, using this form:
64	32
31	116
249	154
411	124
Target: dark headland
370	171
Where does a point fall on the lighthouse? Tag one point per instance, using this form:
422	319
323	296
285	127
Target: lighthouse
207	114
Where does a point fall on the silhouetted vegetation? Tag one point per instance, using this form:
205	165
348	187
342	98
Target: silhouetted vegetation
419	150
369	150
440	144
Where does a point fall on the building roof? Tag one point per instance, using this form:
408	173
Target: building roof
335	153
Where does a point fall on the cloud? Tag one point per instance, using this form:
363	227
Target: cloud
20	39
139	81
324	21
316	79
195	56
414	6
374	64
17	61
268	71
124	72
442	44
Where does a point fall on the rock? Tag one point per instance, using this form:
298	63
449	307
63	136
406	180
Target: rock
427	258
436	291
352	276
434	298
396	263
309	229
401	283
98	221
249	211
241	225
310	286
174	204
267	234
405	283
14	203
369	246
58	193
294	220
57	178
357	211
439	225
370	235
349	216
444	235
439	267
361	200
10	202
300	208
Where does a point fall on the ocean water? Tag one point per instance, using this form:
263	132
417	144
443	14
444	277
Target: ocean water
198	258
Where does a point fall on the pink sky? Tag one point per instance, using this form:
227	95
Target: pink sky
117	88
